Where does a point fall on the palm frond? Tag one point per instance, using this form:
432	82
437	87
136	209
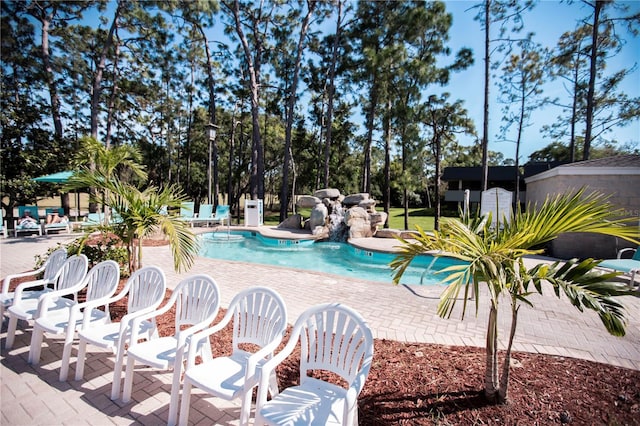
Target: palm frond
590	289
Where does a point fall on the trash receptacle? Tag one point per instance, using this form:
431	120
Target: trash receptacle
253	213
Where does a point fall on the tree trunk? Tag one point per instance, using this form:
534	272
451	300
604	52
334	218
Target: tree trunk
331	90
48	72
436	223
212	195
485	122
291	103
256	180
97	78
592	80
491	366
112	98
387	162
503	391
373	100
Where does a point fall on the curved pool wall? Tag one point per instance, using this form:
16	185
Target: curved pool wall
341	259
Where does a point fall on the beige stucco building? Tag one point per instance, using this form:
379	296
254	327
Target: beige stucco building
617	177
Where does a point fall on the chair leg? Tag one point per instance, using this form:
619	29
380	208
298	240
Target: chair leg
273	385
82	352
175	394
128	379
36	345
185	403
245	412
117	372
66	357
11	331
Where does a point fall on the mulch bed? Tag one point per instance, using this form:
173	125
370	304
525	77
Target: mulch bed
423	384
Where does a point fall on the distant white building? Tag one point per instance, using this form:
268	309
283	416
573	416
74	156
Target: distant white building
617	177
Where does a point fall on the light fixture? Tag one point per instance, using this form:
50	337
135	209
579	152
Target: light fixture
212	131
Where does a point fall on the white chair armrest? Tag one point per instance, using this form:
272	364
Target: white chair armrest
624	250
17	295
45	300
9	278
196	338
253	360
271	364
145	315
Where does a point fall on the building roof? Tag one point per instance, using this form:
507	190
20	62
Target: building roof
627	160
495	173
617	165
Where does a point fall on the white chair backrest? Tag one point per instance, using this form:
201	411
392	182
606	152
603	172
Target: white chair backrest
54	263
102	280
146	287
259	316
197	298
335	338
73	272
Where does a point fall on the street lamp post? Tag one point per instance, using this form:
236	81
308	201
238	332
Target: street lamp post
211	132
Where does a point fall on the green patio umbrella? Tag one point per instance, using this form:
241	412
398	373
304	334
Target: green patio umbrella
60	177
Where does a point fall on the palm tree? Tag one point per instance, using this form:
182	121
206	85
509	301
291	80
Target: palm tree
142	215
494	256
122	161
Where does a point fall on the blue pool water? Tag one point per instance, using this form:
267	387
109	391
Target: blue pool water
335	258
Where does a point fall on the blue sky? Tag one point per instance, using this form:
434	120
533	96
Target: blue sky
548	20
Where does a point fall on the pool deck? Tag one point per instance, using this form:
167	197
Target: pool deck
32	395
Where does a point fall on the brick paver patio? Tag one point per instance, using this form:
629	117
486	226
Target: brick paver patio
32	395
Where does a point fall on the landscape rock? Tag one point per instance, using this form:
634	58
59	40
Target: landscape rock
331	193
357	219
369	205
292	222
355	199
308	201
377	218
388	233
318	216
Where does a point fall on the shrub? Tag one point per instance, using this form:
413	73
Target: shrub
105	247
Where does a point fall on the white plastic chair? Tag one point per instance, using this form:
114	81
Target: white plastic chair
259	323
101	283
145	290
49	270
68	280
197	301
336	339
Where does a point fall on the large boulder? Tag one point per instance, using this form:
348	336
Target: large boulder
292	222
308	201
369	205
377	219
331	193
388	233
355	199
318	216
357	219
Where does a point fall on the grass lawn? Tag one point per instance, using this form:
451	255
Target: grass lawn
417	216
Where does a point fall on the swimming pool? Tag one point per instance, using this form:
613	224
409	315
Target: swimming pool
334	258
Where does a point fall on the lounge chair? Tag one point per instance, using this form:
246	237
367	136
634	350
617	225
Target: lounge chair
115	218
63	225
222	214
28	227
204	215
93	220
187	211
629	267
